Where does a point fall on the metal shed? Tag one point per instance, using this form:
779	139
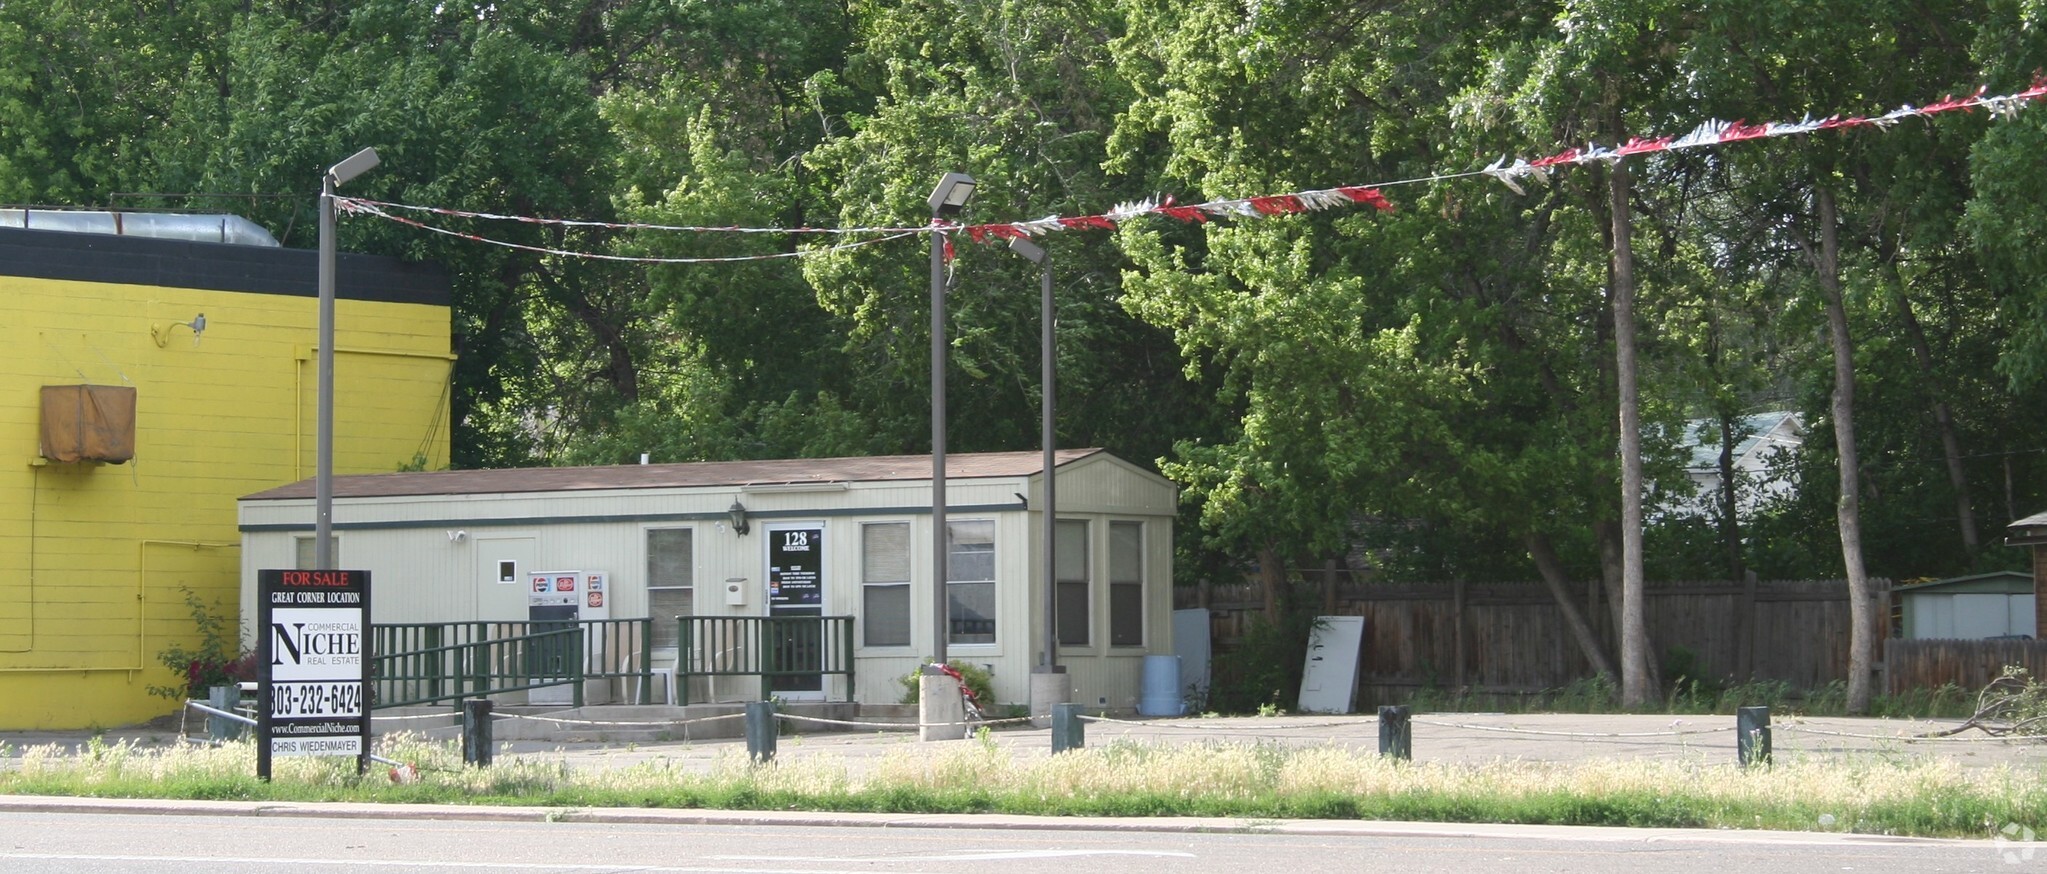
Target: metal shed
727	542
1974	607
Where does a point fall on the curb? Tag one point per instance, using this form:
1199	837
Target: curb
826	819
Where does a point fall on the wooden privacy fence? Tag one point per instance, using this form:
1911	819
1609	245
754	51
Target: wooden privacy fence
1510	638
1970	664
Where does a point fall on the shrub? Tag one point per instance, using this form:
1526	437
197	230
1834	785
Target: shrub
219	659
977	678
1263	671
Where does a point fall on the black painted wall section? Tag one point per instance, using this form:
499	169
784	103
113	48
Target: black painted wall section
215	266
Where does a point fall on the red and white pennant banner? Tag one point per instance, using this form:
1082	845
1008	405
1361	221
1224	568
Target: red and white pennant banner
1714	132
1249	207
1509	171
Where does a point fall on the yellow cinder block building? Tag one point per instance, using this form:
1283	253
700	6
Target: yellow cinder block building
96	556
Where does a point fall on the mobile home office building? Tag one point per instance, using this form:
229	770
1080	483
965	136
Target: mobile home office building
836	536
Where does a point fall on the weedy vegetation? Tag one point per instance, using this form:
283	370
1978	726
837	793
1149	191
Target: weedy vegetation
1873	793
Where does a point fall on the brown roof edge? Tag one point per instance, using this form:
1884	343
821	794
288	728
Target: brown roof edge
701	474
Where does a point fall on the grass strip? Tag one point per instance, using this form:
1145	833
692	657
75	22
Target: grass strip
1874	793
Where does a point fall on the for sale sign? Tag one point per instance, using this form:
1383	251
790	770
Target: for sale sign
315	655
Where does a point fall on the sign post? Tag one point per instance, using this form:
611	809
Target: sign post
314	655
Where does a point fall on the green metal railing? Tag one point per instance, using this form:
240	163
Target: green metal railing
788	653
426	662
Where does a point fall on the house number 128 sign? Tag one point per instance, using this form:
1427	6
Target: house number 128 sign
795	567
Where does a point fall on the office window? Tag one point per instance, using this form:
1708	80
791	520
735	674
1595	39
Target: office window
1071	599
885	584
303	558
970	581
671	581
1126	584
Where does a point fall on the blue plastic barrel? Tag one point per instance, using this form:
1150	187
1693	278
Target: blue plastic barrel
1161	696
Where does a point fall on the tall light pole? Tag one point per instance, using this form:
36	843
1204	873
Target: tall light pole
323	464
1047	368
951	195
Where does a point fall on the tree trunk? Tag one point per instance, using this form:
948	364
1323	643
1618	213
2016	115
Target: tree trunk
1730	518
1271	575
1608	534
1458	641
1636	687
1737	570
1848	512
1943	417
1552	571
2011	503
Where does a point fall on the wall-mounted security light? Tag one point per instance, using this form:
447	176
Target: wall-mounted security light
736	514
162	333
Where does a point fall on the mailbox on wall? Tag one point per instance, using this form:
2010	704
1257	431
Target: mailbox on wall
735	592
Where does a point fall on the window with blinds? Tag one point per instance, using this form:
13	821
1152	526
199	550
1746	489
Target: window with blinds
970	581
885	584
1126	583
1070	601
671	581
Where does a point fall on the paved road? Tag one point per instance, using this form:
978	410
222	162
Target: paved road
367	838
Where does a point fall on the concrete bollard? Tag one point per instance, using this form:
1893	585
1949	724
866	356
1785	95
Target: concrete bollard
1049	687
1396	733
1069	732
476	733
224	698
1752	736
941	711
760	731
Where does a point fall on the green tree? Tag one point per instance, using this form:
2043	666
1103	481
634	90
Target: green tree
1022	97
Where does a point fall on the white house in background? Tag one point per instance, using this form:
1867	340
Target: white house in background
1760	438
798	537
1998	604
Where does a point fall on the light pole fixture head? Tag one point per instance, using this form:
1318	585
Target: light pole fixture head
353	166
1028	249
952	194
736	514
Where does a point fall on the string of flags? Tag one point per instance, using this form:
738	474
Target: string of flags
1513	172
382	210
1714	132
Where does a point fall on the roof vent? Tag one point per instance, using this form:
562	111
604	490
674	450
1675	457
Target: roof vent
217	228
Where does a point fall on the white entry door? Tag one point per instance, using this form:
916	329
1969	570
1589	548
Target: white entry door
795	635
502	562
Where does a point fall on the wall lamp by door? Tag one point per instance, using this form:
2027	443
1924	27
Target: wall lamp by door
737	513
